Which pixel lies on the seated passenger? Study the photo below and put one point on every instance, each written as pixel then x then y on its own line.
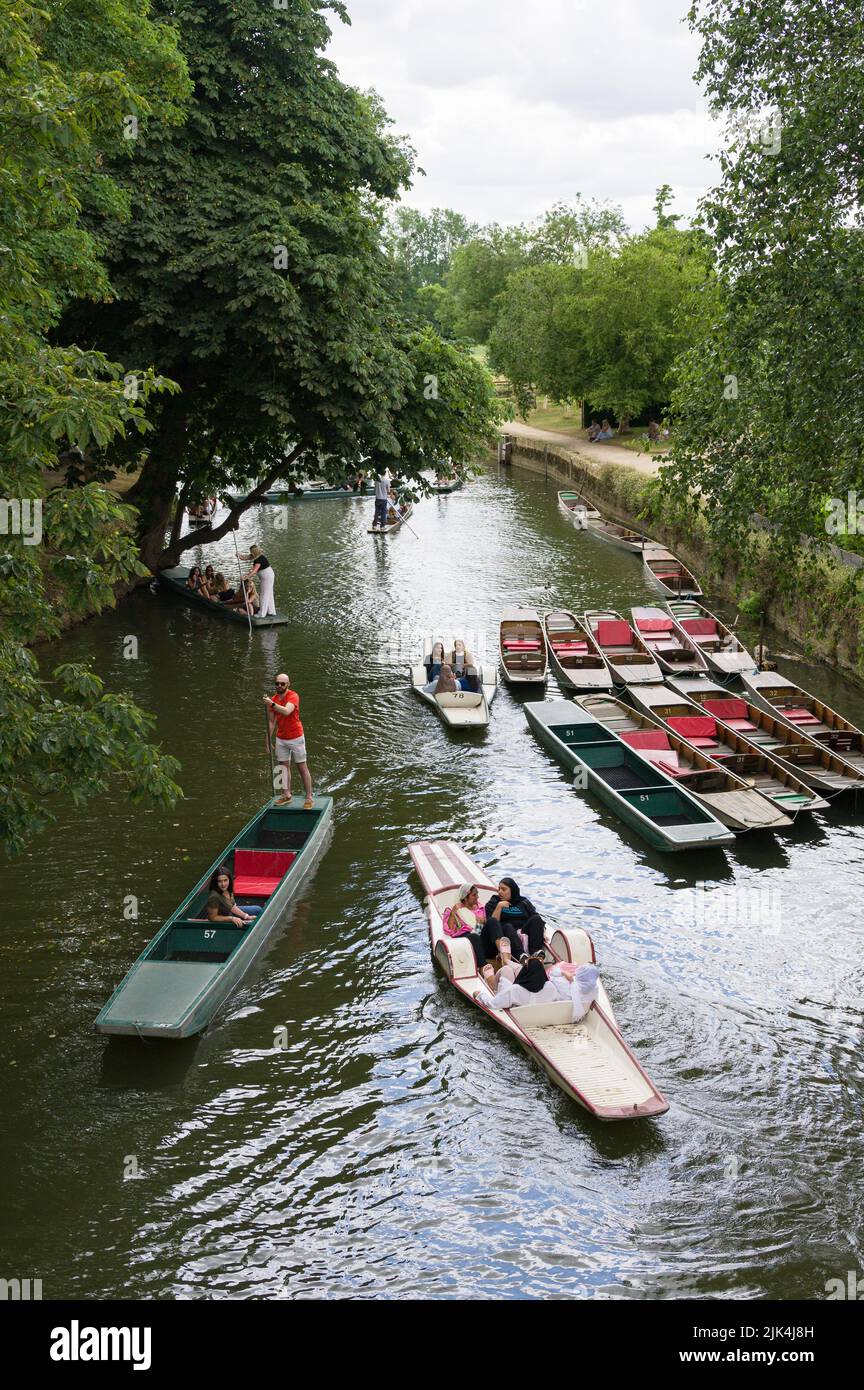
pixel 434 662
pixel 508 913
pixel 220 592
pixel 444 685
pixel 464 918
pixel 221 905
pixel 525 984
pixel 238 601
pixel 193 579
pixel 471 680
pixel 209 581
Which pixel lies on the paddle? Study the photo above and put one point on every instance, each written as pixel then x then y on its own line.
pixel 266 709
pixel 242 582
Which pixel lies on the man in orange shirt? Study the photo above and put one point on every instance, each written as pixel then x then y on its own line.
pixel 283 715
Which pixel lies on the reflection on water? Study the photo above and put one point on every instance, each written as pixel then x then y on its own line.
pixel 400 1145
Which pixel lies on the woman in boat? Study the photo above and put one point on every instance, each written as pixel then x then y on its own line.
pixel 529 984
pixel 220 592
pixel 465 918
pixel 264 570
pixel 507 914
pixel 194 580
pixel 209 582
pixel 464 667
pixel 221 904
pixel 237 600
pixel 434 662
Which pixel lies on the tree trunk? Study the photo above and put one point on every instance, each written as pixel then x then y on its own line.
pixel 155 492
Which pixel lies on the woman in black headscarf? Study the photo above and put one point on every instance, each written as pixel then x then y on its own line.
pixel 508 913
pixel 531 986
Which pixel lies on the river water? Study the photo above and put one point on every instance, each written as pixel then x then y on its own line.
pixel 400 1145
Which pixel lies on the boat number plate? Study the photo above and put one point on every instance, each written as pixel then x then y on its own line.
pixel 208 934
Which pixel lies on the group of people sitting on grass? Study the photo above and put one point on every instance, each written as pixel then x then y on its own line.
pixel 217 588
pixel 598 433
pixel 507 937
pixel 451 671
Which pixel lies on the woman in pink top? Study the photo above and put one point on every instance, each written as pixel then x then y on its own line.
pixel 465 918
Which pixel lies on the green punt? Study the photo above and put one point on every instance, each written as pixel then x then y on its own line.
pixel 307 493
pixel 175 581
pixel 192 965
pixel 644 797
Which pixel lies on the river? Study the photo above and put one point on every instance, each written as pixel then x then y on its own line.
pixel 400 1145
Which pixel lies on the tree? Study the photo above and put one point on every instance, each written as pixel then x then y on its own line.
pixel 569 234
pixel 252 271
pixel 538 338
pixel 422 245
pixel 478 274
pixel 63 550
pixel 769 410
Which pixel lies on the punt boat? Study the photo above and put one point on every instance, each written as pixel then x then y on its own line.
pixel 725 655
pixel 462 709
pixel 759 768
pixel 522 647
pixel 576 660
pixel 448 485
pixel 813 762
pixel 725 795
pixel 578 508
pixel 174 580
pixel 630 661
pixel 666 571
pixel 392 525
pixel 312 490
pixel 774 693
pixel 192 965
pixel 671 648
pixel 611 531
pixel 631 785
pixel 588 1060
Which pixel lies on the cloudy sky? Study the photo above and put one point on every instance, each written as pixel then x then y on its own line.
pixel 513 105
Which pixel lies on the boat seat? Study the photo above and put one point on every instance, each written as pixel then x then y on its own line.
pixel 800 716
pixel 258 872
pixel 614 633
pixel 697 729
pixel 566 647
pixel 700 627
pixel 671 769
pixel 520 644
pixel 654 624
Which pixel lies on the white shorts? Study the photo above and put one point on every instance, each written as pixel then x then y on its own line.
pixel 288 748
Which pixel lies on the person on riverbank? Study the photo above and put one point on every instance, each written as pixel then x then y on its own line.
pixel 283 715
pixel 605 432
pixel 222 905
pixel 508 913
pixel 465 918
pixel 262 568
pixel 382 497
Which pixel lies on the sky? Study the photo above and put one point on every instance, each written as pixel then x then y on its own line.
pixel 514 105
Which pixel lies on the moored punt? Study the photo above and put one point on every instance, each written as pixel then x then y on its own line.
pixel 632 786
pixel 175 581
pixel 578 508
pixel 723 744
pixel 391 526
pixel 460 709
pixel 588 1060
pixel 621 536
pixel 813 762
pixel 726 795
pixel 666 571
pixel 718 643
pixel 192 964
pixel 576 660
pixel 630 661
pixel 671 648
pixel 796 707
pixel 444 485
pixel 522 647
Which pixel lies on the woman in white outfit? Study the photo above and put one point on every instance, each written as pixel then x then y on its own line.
pixel 531 985
pixel 264 570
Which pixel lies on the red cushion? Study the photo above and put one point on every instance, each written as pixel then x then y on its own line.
pixel 654 624
pixel 646 738
pixel 693 726
pixel 614 634
pixel 569 646
pixel 511 644
pixel 801 716
pixel 259 871
pixel 726 709
pixel 700 627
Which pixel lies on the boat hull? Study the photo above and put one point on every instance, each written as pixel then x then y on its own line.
pixel 173 999
pixel 461 710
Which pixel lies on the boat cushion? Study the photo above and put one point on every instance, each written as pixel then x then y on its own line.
pixel 258 872
pixel 801 716
pixel 654 624
pixel 671 769
pixel 693 726
pixel 727 709
pixel 525 644
pixel 700 627
pixel 646 738
pixel 741 725
pixel 569 647
pixel 614 633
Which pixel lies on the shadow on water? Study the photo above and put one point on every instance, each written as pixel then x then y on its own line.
pixel 147 1064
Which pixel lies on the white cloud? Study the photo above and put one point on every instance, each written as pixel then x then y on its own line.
pixel 512 107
